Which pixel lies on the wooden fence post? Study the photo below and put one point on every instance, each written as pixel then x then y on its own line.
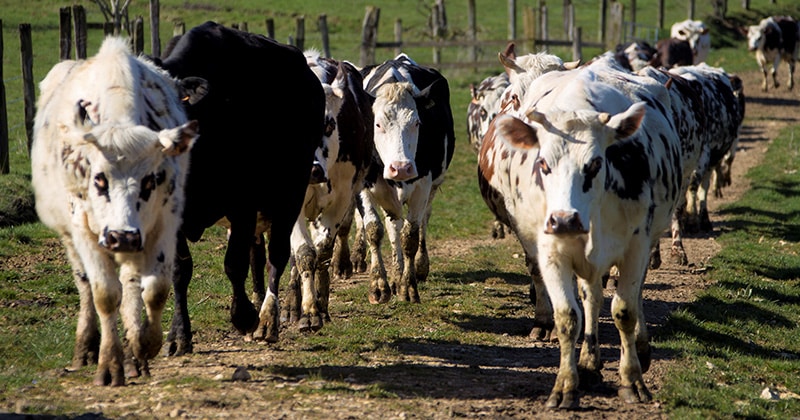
pixel 660 16
pixel 632 26
pixel 65 33
pixel 322 24
pixel 543 23
pixel 300 39
pixel 28 85
pixel 4 150
pixel 178 28
pixel 138 35
pixel 369 35
pixel 615 25
pixel 529 20
pixel 569 17
pixel 691 9
pixel 577 48
pixel 271 28
pixel 398 36
pixel 601 36
pixel 512 19
pixel 79 16
pixel 243 27
pixel 435 31
pixel 155 24
pixel 472 30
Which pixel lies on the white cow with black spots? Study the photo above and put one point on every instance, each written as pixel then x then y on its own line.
pixel 108 169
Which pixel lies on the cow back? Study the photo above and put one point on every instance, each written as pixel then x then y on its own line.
pixel 260 122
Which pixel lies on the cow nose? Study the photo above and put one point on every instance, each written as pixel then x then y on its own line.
pixel 317 174
pixel 123 240
pixel 563 222
pixel 401 171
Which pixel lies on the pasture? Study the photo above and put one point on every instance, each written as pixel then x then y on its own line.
pixel 724 329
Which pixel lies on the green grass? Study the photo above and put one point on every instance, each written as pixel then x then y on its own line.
pixel 739 337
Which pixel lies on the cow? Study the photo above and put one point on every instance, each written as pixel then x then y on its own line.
pixel 672 52
pixel 774 39
pixel 336 178
pixel 592 175
pixel 261 119
pixel 723 104
pixel 722 173
pixel 483 106
pixel 414 144
pixel 697 34
pixel 634 55
pixel 109 161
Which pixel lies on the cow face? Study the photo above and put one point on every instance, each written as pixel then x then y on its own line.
pixel 325 154
pixel 756 34
pixel 397 125
pixel 571 165
pixel 484 106
pixel 124 175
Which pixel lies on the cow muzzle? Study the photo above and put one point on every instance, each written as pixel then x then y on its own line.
pixel 122 240
pixel 400 171
pixel 564 222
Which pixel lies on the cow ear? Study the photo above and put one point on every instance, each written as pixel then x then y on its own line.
pixel 193 89
pixel 515 131
pixel 626 123
pixel 437 89
pixel 180 139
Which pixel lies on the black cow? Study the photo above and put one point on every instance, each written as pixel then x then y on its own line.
pixel 260 121
pixel 672 52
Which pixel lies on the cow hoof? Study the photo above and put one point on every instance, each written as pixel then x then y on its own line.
pixel 177 348
pixel 565 401
pixel 304 324
pixel 540 333
pixel 635 394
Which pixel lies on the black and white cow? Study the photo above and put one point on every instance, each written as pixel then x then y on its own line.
pixel 592 178
pixel 109 163
pixel 723 106
pixel 337 177
pixel 414 144
pixel 697 34
pixel 672 52
pixel 634 55
pixel 774 39
pixel 261 120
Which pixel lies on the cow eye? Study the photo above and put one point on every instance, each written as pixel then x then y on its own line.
pixel 101 183
pixel 592 168
pixel 542 165
pixel 483 114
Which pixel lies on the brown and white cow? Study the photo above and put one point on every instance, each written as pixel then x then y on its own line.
pixel 108 170
pixel 414 143
pixel 774 39
pixel 591 179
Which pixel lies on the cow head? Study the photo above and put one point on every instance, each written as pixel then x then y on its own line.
pixel 571 164
pixel 484 105
pixel 757 34
pixel 123 174
pixel 325 154
pixel 397 109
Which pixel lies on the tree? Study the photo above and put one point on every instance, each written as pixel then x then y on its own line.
pixel 116 14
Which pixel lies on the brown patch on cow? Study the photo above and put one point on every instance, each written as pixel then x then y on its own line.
pixel 518 133
pixel 486 145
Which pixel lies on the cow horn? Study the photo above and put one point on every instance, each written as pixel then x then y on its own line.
pixel 604 117
pixel 572 65
pixel 538 117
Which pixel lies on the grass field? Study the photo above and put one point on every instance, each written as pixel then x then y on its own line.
pixel 755 299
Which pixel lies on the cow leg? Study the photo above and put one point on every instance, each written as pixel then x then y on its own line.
pixel 702 199
pixel 626 310
pixel 677 252
pixel 774 71
pixel 341 264
pixel 290 311
pixel 543 323
pixel 130 311
pixel 358 254
pixel 498 229
pixel 379 289
pixel 237 263
pixel 322 277
pixel 87 336
pixel 303 289
pixel 589 363
pixel 279 252
pixel 791 62
pixel 568 318
pixel 107 296
pixel 258 262
pixel 179 339
pixel 409 244
pixel 422 262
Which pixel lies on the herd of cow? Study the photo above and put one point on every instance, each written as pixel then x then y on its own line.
pixel 587 164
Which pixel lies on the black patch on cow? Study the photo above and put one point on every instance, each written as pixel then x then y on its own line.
pixel 160 258
pixel 630 159
pixel 148 185
pixel 101 184
pixel 161 176
pixel 590 171
pixel 330 125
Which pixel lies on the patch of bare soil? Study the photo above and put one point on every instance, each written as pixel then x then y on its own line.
pixel 508 380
